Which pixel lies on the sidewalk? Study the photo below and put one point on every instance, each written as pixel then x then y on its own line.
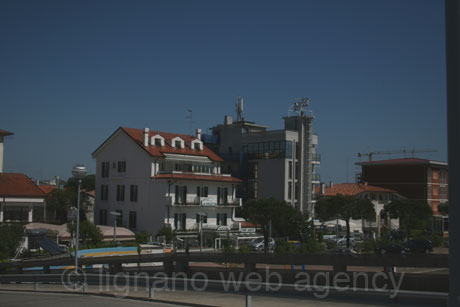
pixel 221 299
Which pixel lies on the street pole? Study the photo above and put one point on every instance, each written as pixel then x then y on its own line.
pixel 78 228
pixel 115 231
pixel 201 233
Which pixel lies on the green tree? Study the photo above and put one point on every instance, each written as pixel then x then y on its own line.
pixel 58 202
pixel 11 236
pixel 444 208
pixel 344 208
pixel 412 214
pixel 88 183
pixel 90 234
pixel 167 232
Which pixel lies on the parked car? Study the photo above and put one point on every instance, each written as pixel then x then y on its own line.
pixel 391 248
pixel 258 244
pixel 343 241
pixel 418 246
pixel 342 250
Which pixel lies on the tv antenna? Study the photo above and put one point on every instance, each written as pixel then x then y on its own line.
pixel 190 121
pixel 300 106
pixel 239 109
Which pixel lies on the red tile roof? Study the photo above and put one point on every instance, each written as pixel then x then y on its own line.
pixel 5 133
pixel 157 151
pixel 18 185
pixel 352 189
pixel 197 177
pixel 400 161
pixel 47 188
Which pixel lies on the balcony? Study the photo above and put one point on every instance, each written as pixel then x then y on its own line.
pixel 316 178
pixel 316 159
pixel 204 202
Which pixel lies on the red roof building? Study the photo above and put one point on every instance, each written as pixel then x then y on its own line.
pixel 153 178
pixel 21 200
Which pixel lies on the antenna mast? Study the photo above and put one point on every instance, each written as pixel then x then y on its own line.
pixel 239 109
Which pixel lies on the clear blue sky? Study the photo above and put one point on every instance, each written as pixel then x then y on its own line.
pixel 73 71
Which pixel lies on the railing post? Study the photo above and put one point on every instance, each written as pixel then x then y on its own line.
pixel 248 300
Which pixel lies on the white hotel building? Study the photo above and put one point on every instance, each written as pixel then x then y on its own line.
pixel 155 178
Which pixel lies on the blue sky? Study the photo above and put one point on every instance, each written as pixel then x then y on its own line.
pixel 73 71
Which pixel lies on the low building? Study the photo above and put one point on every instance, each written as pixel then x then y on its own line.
pixel 377 195
pixel 21 200
pixel 148 179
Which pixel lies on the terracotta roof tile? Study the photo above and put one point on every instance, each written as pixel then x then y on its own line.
pixel 400 161
pixel 47 188
pixel 352 189
pixel 5 133
pixel 158 151
pixel 18 185
pixel 197 177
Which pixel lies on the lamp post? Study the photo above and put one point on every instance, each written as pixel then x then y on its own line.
pixel 79 172
pixel 115 214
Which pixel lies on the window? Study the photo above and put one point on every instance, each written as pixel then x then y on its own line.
pixel 443 193
pixel 202 191
pixel 120 192
pixel 289 190
pixel 222 196
pixel 133 192
pixel 204 217
pixel 121 166
pixel 290 169
pixel 119 218
pixel 197 146
pixel 178 144
pixel 252 189
pixel 158 142
pixel 180 221
pixel 105 169
pixel 253 170
pixel 181 194
pixel 104 191
pixel 132 219
pixel 222 219
pixel 102 217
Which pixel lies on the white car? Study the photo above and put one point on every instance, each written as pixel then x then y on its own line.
pixel 343 241
pixel 258 244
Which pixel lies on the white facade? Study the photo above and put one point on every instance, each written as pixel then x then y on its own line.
pixel 152 178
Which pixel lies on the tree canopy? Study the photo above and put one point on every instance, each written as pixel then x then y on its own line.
pixel 412 214
pixel 344 208
pixel 285 220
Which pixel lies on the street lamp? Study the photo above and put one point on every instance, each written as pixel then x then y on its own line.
pixel 79 172
pixel 116 214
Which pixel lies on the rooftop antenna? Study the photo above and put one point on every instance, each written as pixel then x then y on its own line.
pixel 190 121
pixel 239 109
pixel 300 106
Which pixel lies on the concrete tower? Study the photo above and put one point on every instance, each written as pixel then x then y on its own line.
pixel 3 134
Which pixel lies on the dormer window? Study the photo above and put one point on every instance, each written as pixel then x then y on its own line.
pixel 197 145
pixel 177 142
pixel 158 140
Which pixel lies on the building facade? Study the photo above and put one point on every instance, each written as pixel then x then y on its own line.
pixel 272 163
pixel 379 198
pixel 413 178
pixel 153 179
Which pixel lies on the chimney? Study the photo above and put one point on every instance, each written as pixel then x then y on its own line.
pixel 228 120
pixel 198 134
pixel 323 188
pixel 146 136
pixel 331 184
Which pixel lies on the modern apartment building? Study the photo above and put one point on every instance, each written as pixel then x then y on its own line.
pixel 271 163
pixel 154 178
pixel 413 178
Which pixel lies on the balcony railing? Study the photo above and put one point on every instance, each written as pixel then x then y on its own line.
pixel 316 177
pixel 316 158
pixel 204 202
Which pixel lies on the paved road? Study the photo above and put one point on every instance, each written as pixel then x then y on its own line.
pixel 74 300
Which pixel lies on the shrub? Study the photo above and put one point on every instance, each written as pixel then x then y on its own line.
pixel 142 237
pixel 244 249
pixel 166 232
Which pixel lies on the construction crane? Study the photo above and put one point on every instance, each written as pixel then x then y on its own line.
pixel 390 152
